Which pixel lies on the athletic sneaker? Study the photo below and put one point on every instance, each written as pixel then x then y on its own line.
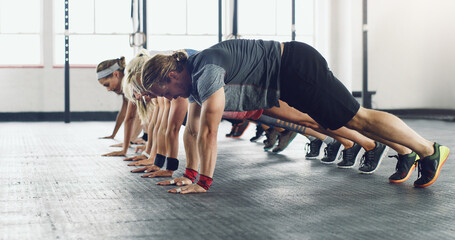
pixel 332 152
pixel 284 139
pixel 313 149
pixel 239 129
pixel 405 165
pixel 259 133
pixel 430 167
pixel 350 156
pixel 373 158
pixel 272 137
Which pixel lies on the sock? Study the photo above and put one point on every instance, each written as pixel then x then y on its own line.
pixel 328 140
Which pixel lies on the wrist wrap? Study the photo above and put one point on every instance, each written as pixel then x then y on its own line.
pixel 190 174
pixel 159 160
pixel 204 181
pixel 172 164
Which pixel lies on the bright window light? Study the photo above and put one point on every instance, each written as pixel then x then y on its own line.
pixel 20 41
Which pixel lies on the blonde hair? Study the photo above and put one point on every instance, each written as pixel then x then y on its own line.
pixel 131 83
pixel 108 63
pixel 156 69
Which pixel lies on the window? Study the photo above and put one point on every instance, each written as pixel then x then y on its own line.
pixel 274 20
pixel 181 24
pixel 20 32
pixel 99 30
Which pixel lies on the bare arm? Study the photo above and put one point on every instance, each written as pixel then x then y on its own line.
pixel 120 117
pixel 189 141
pixel 206 144
pixel 177 114
pixel 129 125
pixel 190 136
pixel 212 111
pixel 128 128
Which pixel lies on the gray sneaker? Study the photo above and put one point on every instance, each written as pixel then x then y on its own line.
pixel 272 137
pixel 313 149
pixel 284 139
pixel 373 158
pixel 332 152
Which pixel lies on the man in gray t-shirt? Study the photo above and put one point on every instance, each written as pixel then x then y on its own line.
pixel 247 69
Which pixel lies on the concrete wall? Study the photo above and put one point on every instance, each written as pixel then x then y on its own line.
pixel 411 49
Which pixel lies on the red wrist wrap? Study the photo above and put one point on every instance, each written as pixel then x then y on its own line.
pixel 190 174
pixel 204 181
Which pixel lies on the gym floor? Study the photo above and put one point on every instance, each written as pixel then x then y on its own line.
pixel 55 185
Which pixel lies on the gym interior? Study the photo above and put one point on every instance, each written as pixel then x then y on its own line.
pixel 394 56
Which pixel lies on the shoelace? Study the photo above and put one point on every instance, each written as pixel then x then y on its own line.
pixel 367 158
pixel 330 149
pixel 313 147
pixel 348 153
pixel 401 164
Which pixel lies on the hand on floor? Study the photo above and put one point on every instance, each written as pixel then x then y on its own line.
pixel 146 169
pixel 180 181
pixel 115 153
pixel 160 173
pixel 194 188
pixel 136 158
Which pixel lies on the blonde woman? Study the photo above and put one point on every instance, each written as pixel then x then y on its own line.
pixel 110 74
pixel 168 117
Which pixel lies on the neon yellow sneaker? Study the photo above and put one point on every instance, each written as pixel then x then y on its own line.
pixel 430 167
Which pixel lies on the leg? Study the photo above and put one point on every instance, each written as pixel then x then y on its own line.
pixel 389 127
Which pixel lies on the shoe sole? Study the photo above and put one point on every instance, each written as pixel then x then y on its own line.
pixel 340 149
pixel 286 145
pixel 405 178
pixel 446 151
pixel 386 149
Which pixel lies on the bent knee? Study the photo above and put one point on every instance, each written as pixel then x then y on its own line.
pixel 361 120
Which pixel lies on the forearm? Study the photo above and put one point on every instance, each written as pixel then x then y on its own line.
pixel 137 129
pixel 128 129
pixel 172 141
pixel 207 148
pixel 120 118
pixel 148 146
pixel 191 150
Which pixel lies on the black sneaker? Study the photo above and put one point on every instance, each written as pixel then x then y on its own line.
pixel 332 152
pixel 350 156
pixel 373 158
pixel 430 167
pixel 313 149
pixel 405 165
pixel 234 126
pixel 272 137
pixel 259 133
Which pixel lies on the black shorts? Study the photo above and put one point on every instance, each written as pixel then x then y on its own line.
pixel 307 84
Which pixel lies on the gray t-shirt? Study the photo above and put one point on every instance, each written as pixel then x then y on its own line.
pixel 247 69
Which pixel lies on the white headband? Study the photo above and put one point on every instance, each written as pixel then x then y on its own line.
pixel 108 71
